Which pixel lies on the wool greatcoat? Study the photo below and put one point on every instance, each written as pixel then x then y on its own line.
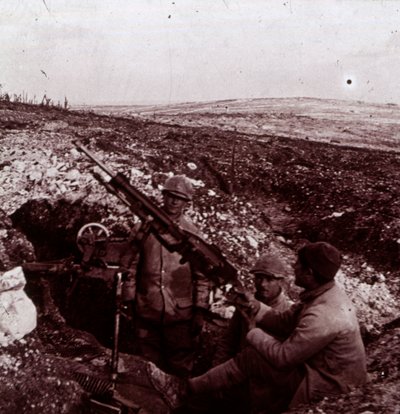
pixel 322 337
pixel 166 290
pixel 167 295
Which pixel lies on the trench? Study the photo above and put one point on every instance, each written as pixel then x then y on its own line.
pixel 83 294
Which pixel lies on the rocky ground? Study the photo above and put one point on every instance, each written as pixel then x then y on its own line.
pixel 268 190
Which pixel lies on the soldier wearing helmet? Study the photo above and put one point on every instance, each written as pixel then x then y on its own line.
pixel 180 186
pixel 270 278
pixel 169 296
pixel 177 192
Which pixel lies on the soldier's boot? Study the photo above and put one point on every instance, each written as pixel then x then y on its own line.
pixel 219 378
pixel 174 390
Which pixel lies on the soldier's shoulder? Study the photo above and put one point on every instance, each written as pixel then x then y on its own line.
pixel 187 224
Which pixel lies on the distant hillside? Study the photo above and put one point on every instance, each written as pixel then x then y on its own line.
pixel 347 123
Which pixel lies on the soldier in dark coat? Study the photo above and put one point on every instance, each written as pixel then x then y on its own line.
pixel 169 296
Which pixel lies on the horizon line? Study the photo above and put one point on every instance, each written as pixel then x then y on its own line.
pixel 178 103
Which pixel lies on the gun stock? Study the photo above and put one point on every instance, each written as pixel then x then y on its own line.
pixel 207 257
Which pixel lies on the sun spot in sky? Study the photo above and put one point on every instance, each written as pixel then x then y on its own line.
pixel 349 82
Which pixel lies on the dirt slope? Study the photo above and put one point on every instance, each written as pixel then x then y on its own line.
pixel 322 120
pixel 254 191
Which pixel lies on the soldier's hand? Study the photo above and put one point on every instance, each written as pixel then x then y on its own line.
pixel 246 302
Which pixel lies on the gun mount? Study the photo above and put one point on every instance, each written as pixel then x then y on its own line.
pixel 205 256
pixel 80 288
pixel 98 251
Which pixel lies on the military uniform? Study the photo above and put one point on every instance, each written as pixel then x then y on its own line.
pixel 235 337
pixel 320 351
pixel 168 294
pixel 325 343
pixel 254 393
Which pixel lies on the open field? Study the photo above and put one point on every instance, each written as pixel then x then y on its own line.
pixel 340 122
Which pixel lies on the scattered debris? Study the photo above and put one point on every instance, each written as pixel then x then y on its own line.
pixel 285 191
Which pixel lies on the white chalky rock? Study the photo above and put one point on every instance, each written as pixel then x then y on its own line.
pixel 19 165
pixel 17 311
pixel 51 172
pixel 75 154
pixel 136 172
pixel 35 175
pixel 73 175
pixel 252 241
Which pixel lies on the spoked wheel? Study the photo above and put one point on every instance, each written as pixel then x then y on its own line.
pixel 92 234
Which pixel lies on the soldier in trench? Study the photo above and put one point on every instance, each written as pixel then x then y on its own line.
pixel 310 351
pixel 170 298
pixel 271 281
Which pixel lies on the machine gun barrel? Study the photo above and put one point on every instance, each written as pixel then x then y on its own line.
pixel 120 186
pixel 191 247
pixel 86 151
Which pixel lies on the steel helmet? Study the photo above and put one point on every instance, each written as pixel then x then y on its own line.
pixel 180 186
pixel 269 264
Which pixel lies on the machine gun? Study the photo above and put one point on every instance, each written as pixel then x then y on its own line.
pixel 193 249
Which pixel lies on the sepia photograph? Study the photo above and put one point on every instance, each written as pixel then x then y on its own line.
pixel 200 206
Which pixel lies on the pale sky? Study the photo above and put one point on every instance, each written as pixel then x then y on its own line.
pixel 158 51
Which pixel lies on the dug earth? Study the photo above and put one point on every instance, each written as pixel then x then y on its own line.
pixel 254 193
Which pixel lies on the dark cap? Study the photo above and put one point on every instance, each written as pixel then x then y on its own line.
pixel 322 258
pixel 270 265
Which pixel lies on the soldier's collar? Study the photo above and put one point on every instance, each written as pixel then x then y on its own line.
pixel 308 295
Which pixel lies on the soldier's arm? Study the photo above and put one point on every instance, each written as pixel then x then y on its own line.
pixel 202 288
pixel 130 262
pixel 229 343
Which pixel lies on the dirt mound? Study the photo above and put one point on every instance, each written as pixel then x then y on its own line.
pixel 14 246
